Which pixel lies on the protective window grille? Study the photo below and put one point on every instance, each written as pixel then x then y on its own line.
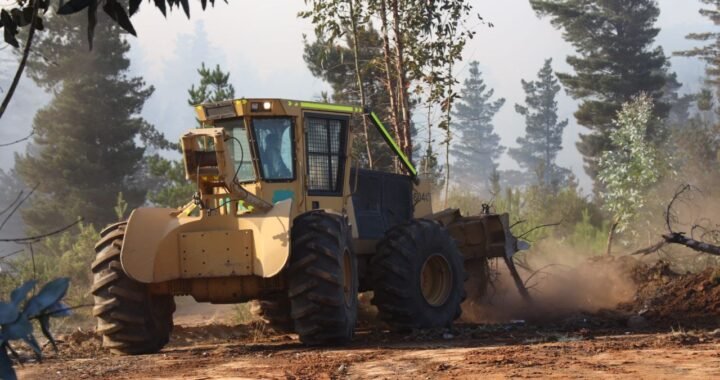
pixel 325 154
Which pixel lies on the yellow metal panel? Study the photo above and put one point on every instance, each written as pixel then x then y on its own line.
pixel 200 111
pixel 215 253
pixel 151 249
pixel 422 199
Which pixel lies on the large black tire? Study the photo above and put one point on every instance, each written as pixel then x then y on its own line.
pixel 418 275
pixel 129 318
pixel 322 279
pixel 274 313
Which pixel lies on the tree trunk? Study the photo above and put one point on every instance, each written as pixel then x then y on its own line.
pixel 426 164
pixel 403 100
pixel 448 137
pixel 388 72
pixel 611 237
pixel 361 84
pixel 679 238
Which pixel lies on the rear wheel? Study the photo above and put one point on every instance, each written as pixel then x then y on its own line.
pixel 323 281
pixel 129 318
pixel 418 276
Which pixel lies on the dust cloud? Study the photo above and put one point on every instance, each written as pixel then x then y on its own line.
pixel 558 289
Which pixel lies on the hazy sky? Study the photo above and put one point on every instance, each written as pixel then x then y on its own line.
pixel 260 43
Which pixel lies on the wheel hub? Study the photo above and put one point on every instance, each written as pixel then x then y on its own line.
pixel 436 280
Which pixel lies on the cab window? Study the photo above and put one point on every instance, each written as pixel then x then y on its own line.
pixel 239 149
pixel 274 142
pixel 325 145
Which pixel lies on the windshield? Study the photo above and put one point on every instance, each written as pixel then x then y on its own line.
pixel 239 149
pixel 274 141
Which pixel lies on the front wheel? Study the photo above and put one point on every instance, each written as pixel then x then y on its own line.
pixel 323 279
pixel 129 318
pixel 418 276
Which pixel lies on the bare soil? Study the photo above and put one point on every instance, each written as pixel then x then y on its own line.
pixel 497 351
pixel 667 329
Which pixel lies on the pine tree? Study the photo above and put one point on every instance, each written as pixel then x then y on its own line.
pixel 709 53
pixel 84 150
pixel 543 132
pixel 478 148
pixel 214 86
pixel 615 61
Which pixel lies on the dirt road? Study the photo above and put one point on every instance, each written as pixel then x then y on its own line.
pixel 667 328
pixel 471 351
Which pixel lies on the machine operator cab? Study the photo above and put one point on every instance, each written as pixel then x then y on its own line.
pixel 269 135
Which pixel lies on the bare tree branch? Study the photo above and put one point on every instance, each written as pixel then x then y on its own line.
pixel 539 227
pixel 23 61
pixel 11 254
pixel 20 193
pixel 35 238
pixel 19 140
pixel 673 237
pixel 17 206
pixel 651 249
pixel 680 238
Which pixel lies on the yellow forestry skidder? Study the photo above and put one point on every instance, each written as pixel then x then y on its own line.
pixel 282 217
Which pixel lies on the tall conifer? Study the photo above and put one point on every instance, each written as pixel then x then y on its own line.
pixel 477 149
pixel 84 151
pixel 615 61
pixel 543 131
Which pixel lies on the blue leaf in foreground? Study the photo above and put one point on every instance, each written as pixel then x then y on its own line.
pixel 30 340
pixel 8 313
pixel 44 320
pixel 58 309
pixel 19 329
pixel 49 295
pixel 6 370
pixel 20 293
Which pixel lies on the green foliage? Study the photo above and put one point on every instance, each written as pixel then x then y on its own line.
pixel 120 207
pixel 710 53
pixel 431 170
pixel 478 149
pixel 539 147
pixel 333 62
pixel 84 149
pixel 169 188
pixel 577 225
pixel 632 166
pixel 214 86
pixel 16 317
pixel 615 61
pixel 587 236
pixel 68 254
pixel 20 14
pixel 427 39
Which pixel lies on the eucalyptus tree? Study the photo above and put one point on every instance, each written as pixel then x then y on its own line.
pixel 631 167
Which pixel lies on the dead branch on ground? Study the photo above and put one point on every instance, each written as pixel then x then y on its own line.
pixel 674 237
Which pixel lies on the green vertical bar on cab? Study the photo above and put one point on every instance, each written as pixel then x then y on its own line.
pixel 386 135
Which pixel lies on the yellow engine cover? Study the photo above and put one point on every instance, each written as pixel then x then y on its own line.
pixel 161 245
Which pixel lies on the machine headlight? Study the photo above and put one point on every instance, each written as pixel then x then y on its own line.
pixel 265 106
